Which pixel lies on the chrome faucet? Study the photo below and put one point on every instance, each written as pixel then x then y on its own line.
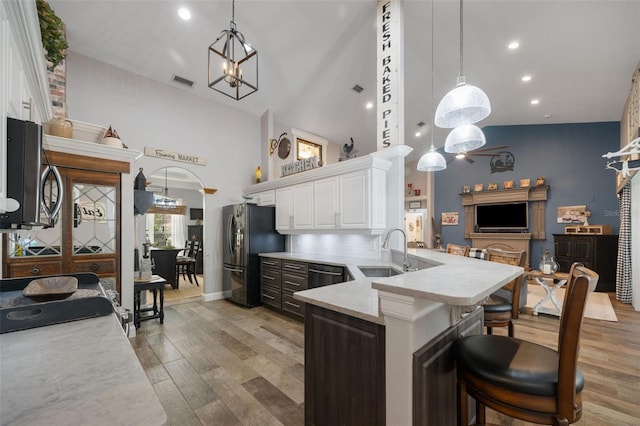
pixel 406 266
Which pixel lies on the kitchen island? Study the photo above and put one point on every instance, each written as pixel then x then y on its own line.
pixel 76 373
pixel 406 314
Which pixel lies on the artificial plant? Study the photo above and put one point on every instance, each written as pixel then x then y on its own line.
pixel 52 33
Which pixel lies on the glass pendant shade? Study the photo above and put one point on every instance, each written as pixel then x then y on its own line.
pixel 464 139
pixel 233 65
pixel 465 104
pixel 432 161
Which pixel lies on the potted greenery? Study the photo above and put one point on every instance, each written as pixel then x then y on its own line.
pixel 52 33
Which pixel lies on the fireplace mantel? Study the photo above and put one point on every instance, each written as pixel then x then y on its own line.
pixel 536 196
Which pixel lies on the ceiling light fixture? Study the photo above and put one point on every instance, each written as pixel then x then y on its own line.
pixel 184 13
pixel 514 45
pixel 465 104
pixel 464 138
pixel 233 63
pixel 432 161
pixel 535 101
pixel 526 78
pixel 163 204
pixel 418 134
pixel 369 105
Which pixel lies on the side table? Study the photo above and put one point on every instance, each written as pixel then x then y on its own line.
pixel 156 284
pixel 550 283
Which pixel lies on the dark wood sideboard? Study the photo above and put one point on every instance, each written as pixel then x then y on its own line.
pixel 597 252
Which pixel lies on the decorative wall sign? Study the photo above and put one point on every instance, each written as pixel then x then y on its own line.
pixel 415 204
pixel 492 186
pixel 502 161
pixel 478 187
pixel 450 218
pixel 508 184
pixel 300 166
pixel 175 156
pixel 390 71
pixel 525 183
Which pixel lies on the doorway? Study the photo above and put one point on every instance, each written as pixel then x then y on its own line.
pixel 178 228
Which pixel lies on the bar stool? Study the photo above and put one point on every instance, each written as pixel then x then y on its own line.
pixel 499 310
pixel 525 380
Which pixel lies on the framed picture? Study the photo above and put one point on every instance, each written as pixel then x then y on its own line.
pixel 415 204
pixel 195 214
pixel 572 214
pixel 466 189
pixel 492 186
pixel 306 149
pixel 508 184
pixel 478 187
pixel 525 183
pixel 450 218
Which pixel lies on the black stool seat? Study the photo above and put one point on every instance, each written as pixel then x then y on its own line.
pixel 512 364
pixel 497 304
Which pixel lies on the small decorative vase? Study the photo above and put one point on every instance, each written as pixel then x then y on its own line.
pixel 58 126
pixel 548 265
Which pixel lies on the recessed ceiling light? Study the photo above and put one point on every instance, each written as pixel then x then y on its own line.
pixel 535 101
pixel 514 45
pixel 548 116
pixel 418 134
pixel 369 105
pixel 184 13
pixel 526 78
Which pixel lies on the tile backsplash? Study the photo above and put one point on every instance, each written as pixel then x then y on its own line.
pixel 364 246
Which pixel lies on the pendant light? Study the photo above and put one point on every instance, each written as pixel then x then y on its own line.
pixel 465 104
pixel 233 63
pixel 432 161
pixel 464 138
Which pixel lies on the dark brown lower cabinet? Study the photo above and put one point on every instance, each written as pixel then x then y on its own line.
pixel 597 252
pixel 434 375
pixel 344 375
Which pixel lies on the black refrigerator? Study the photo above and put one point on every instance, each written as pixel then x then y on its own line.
pixel 248 229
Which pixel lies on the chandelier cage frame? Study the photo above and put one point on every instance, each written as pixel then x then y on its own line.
pixel 227 74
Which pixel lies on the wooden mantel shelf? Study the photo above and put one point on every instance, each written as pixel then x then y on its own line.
pixel 535 195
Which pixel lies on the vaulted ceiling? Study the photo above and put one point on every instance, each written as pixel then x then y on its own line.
pixel 580 54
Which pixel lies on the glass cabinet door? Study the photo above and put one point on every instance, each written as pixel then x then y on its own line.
pixel 94 218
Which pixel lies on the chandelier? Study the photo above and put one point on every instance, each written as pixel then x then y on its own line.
pixel 233 63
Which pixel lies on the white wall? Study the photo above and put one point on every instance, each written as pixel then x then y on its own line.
pixel 147 113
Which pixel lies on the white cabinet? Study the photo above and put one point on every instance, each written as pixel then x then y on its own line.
pixel 353 201
pixel 346 197
pixel 266 198
pixel 294 207
pixel 325 201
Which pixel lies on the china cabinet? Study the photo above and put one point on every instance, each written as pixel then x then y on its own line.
pixel 86 235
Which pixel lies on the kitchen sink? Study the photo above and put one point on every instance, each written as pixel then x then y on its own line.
pixel 379 271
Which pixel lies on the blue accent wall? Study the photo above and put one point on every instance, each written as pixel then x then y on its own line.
pixel 569 156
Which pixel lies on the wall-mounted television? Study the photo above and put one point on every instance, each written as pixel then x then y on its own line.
pixel 503 217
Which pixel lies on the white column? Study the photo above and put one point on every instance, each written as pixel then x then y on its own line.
pixel 409 324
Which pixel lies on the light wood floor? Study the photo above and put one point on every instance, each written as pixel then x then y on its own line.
pixel 214 363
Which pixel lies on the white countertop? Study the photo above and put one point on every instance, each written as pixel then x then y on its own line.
pixel 76 373
pixel 450 279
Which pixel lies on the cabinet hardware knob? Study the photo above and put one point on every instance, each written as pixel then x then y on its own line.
pixel 35 270
pixel 94 266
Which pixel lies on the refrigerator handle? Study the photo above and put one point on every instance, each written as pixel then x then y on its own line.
pixel 232 269
pixel 229 232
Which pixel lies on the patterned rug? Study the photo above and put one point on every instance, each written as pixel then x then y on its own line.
pixel 598 304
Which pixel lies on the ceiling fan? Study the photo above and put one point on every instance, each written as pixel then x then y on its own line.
pixel 481 152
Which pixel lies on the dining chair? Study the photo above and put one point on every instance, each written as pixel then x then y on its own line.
pixel 457 249
pixel 503 307
pixel 186 263
pixel 525 380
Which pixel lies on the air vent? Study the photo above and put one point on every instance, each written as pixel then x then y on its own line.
pixel 182 80
pixel 357 88
pixel 420 124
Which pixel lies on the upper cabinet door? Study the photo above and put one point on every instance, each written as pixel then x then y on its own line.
pixel 355 200
pixel 303 206
pixel 325 198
